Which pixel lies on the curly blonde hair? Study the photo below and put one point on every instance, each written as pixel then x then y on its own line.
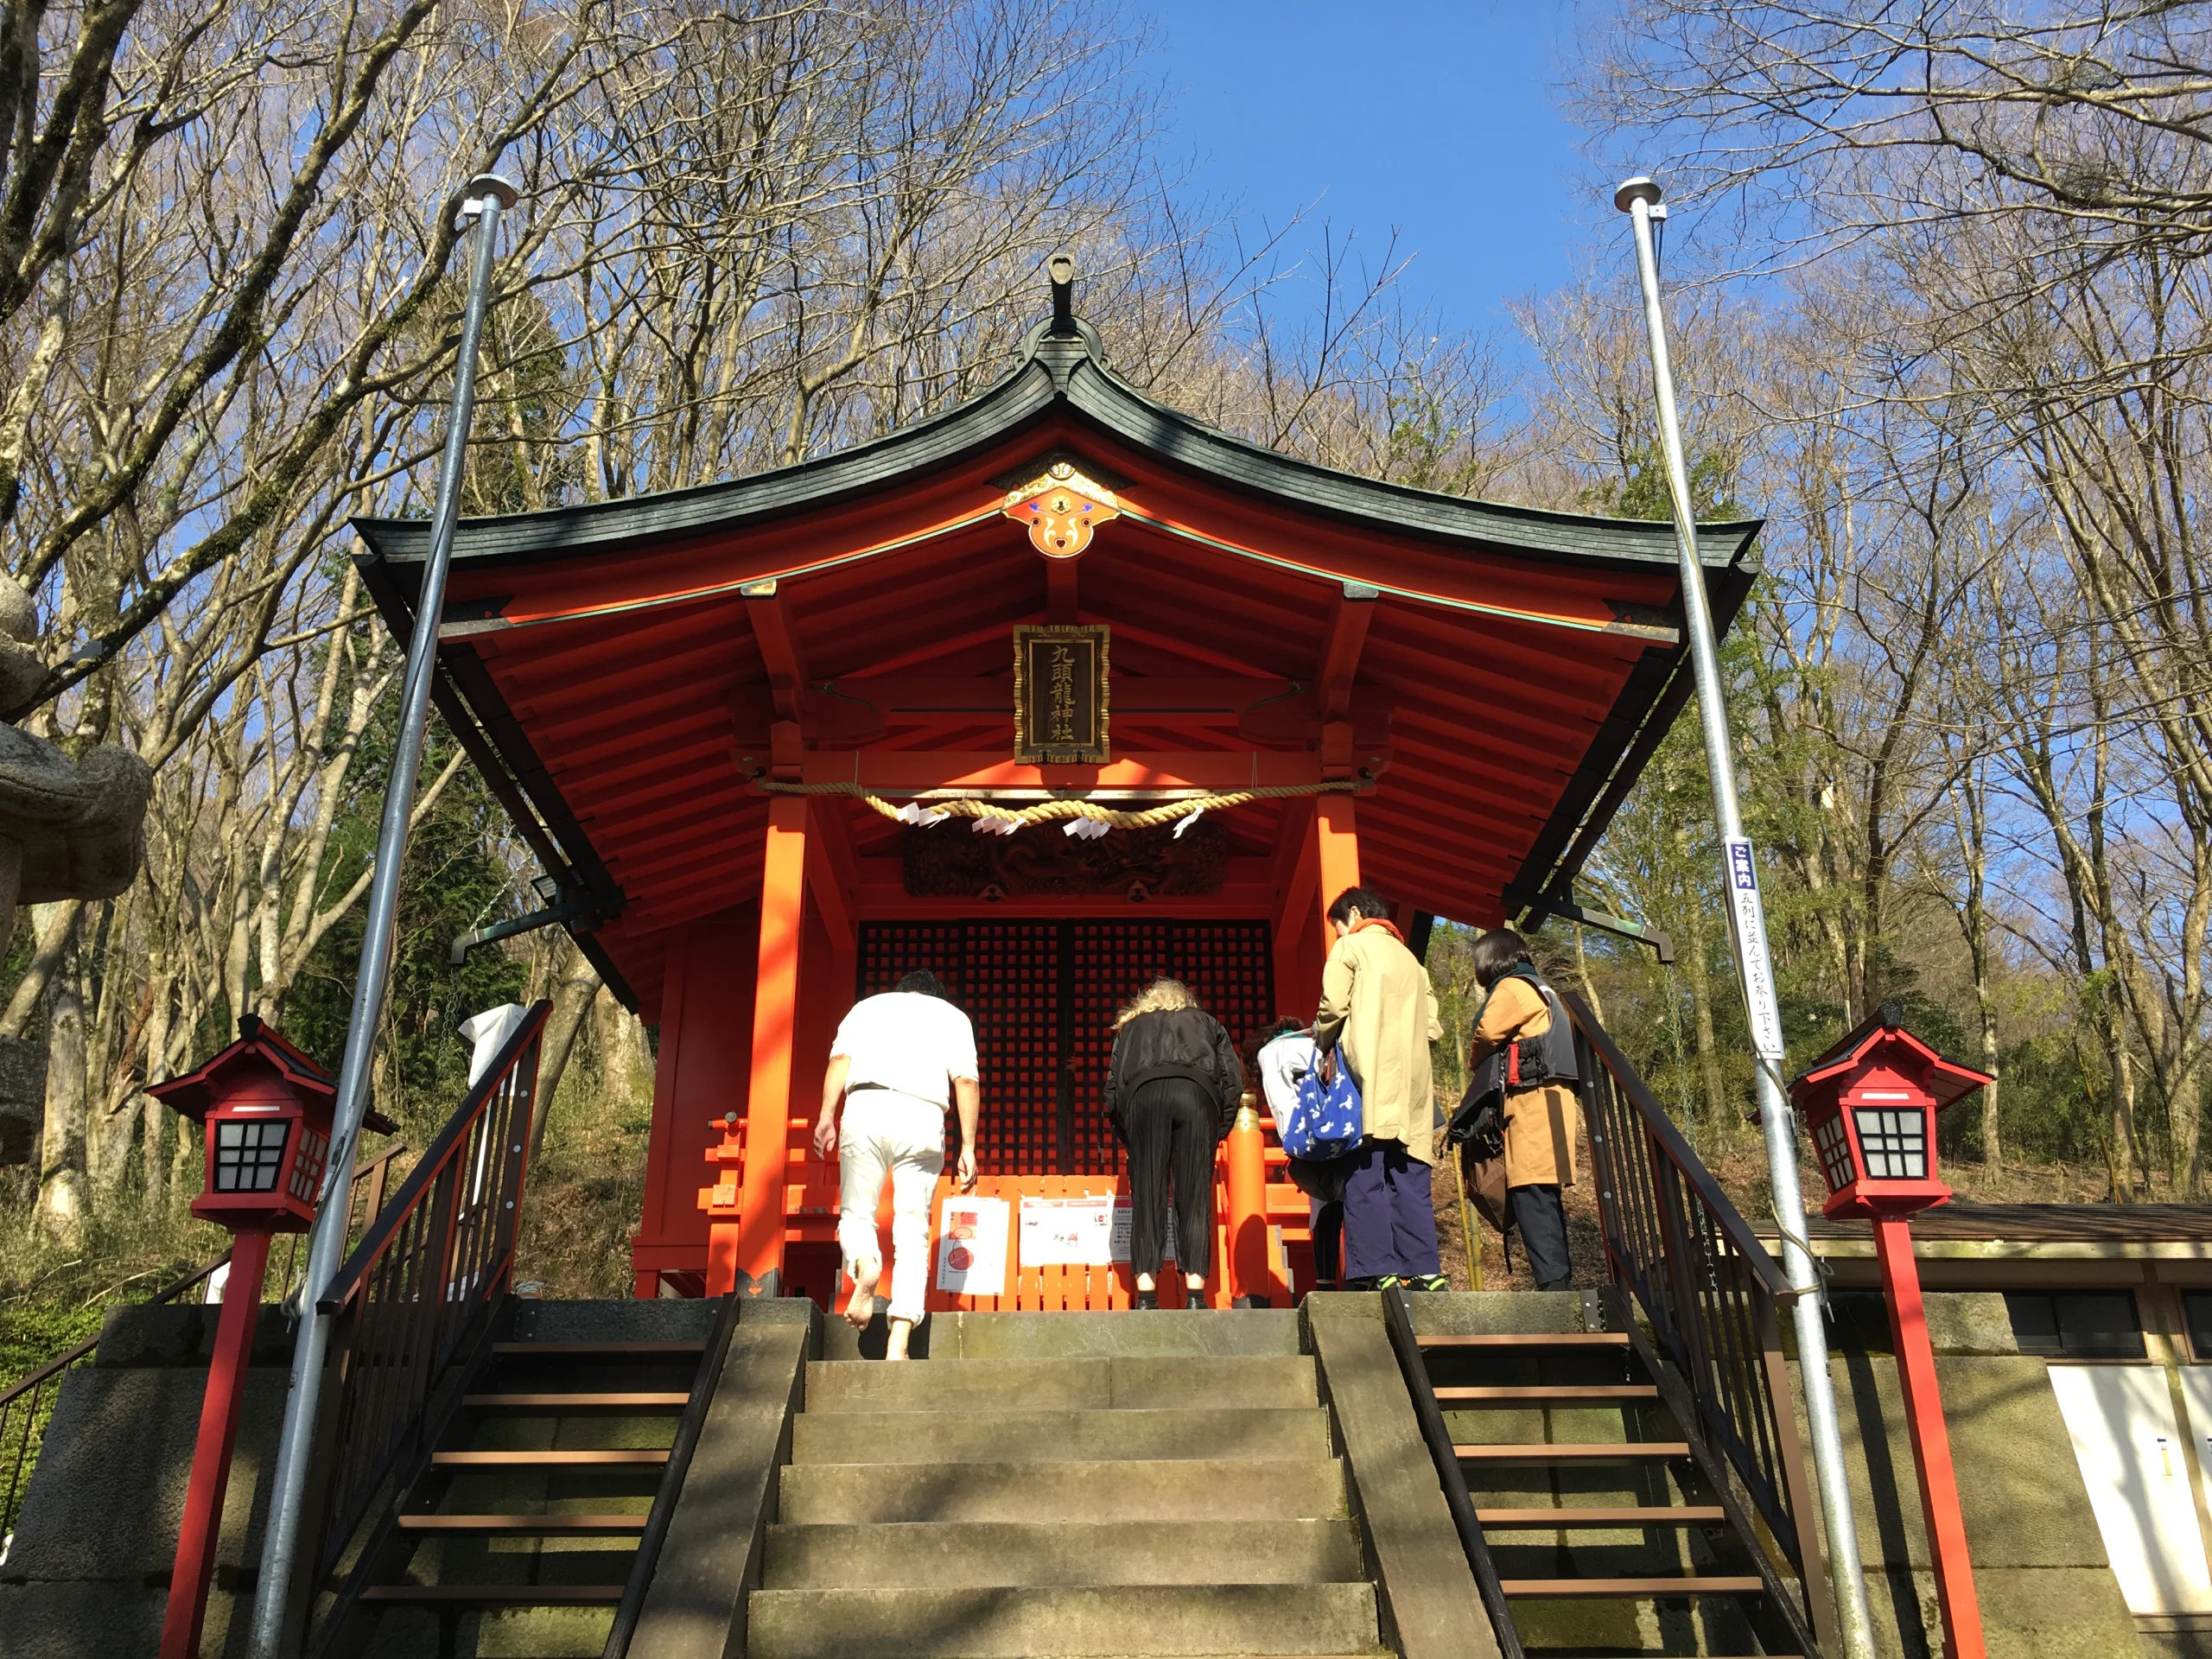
pixel 1158 997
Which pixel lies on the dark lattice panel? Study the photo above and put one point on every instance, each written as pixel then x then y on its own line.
pixel 1043 992
pixel 1013 995
pixel 1228 965
pixel 890 950
pixel 1113 962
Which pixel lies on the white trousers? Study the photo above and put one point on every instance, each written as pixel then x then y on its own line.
pixel 886 1133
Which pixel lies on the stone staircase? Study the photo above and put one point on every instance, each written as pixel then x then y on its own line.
pixel 518 1539
pixel 1606 1537
pixel 1164 1494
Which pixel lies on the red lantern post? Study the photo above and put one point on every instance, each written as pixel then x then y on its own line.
pixel 266 1108
pixel 1870 1104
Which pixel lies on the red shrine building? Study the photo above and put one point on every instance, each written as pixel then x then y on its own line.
pixel 757 733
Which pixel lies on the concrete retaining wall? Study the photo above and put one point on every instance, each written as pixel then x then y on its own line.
pixel 87 1574
pixel 2040 1570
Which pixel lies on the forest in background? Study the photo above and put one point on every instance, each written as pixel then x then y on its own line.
pixel 1939 295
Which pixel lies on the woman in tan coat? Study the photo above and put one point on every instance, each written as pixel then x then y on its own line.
pixel 1543 1124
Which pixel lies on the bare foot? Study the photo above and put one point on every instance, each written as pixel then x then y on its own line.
pixel 895 1348
pixel 861 1308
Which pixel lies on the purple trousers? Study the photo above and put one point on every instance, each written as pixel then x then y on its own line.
pixel 1389 1225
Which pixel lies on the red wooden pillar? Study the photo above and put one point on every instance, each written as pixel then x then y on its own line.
pixel 1338 846
pixel 775 1016
pixel 211 1455
pixel 1297 872
pixel 1931 1439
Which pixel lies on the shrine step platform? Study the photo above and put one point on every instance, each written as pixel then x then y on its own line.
pixel 1131 1484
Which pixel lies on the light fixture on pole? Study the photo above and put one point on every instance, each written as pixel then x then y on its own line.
pixel 481 199
pixel 1642 200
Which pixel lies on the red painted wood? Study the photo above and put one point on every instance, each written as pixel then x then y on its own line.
pixel 1245 1159
pixel 1338 843
pixel 211 1455
pixel 770 1100
pixel 1931 1439
pixel 701 1072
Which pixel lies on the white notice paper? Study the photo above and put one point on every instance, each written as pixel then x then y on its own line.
pixel 1068 1232
pixel 971 1247
pixel 1120 1249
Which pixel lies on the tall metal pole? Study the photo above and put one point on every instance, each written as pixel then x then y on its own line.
pixel 484 198
pixel 1747 923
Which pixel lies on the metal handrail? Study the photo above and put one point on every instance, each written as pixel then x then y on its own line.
pixel 354 1272
pixel 1397 1317
pixel 1679 1152
pixel 1710 1293
pixel 417 1295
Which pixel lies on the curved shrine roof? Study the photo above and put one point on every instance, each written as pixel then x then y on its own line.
pixel 606 665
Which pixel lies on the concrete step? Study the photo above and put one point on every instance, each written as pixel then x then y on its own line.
pixel 938 1438
pixel 512 1560
pixel 410 1631
pixel 975 1555
pixel 1232 1489
pixel 1122 1382
pixel 1012 1623
pixel 1083 1336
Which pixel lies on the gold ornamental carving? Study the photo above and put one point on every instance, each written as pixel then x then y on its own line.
pixel 1061 507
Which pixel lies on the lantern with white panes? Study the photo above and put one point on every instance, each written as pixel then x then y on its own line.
pixel 267 1110
pixel 1870 1105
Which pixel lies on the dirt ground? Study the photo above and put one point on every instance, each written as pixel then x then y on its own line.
pixel 1584 1243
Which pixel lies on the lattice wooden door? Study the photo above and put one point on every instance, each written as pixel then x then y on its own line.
pixel 1043 996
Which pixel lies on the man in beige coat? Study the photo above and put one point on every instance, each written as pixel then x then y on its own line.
pixel 1378 1014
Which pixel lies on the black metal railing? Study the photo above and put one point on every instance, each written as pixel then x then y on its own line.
pixel 26 1405
pixel 1711 1294
pixel 1397 1315
pixel 416 1297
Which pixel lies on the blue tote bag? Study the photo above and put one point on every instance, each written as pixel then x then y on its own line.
pixel 1326 1120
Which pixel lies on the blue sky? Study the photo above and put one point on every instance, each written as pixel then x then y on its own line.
pixel 1436 118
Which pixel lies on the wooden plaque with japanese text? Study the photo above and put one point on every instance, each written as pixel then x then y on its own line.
pixel 1060 695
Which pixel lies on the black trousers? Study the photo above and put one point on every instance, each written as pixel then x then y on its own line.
pixel 1541 1219
pixel 1172 1123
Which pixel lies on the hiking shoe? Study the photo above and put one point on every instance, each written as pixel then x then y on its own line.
pixel 1429 1281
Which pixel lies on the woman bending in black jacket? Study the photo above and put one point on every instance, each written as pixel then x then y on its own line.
pixel 1171 1090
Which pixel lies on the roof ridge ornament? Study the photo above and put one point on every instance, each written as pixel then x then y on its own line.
pixel 1063 339
pixel 1061 507
pixel 1061 270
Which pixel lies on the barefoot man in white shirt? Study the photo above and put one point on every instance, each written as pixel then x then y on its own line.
pixel 901 1061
